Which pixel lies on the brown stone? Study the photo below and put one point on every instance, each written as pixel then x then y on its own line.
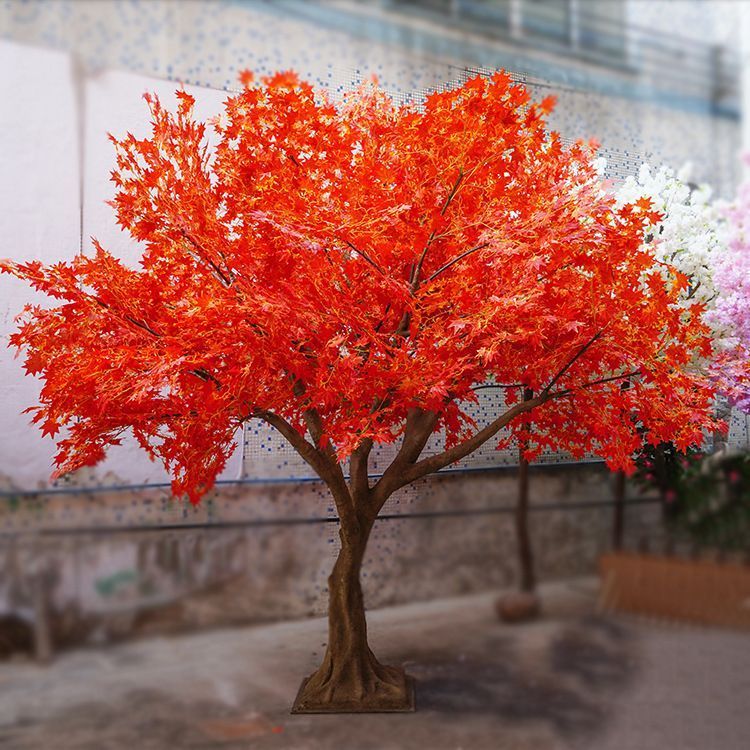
pixel 518 606
pixel 16 636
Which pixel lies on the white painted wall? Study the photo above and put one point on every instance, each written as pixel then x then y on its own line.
pixel 39 218
pixel 114 104
pixel 54 125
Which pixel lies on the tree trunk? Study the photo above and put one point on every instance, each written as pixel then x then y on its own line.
pixel 522 605
pixel 618 530
pixel 525 552
pixel 351 679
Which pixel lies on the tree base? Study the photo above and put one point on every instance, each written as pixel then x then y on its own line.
pixel 518 606
pixel 371 703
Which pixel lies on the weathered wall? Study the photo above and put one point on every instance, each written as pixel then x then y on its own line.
pixel 268 552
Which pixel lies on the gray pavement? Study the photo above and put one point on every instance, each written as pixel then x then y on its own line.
pixel 572 679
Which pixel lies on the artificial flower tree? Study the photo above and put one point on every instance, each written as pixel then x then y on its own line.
pixel 688 234
pixel 731 312
pixel 349 273
pixel 687 230
pixel 707 240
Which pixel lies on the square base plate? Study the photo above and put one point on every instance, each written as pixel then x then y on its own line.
pixel 409 707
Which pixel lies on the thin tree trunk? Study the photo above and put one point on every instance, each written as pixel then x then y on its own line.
pixel 525 552
pixel 618 531
pixel 350 677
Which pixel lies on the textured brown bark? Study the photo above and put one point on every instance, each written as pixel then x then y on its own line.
pixel 350 677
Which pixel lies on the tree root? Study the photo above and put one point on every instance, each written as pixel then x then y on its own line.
pixel 355 684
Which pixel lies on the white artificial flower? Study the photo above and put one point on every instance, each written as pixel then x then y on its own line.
pixel 691 232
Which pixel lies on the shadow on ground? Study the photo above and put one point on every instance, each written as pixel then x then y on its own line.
pixel 564 683
pixel 545 686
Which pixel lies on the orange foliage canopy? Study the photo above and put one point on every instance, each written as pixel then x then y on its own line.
pixel 334 267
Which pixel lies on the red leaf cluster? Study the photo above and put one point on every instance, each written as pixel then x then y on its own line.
pixel 330 267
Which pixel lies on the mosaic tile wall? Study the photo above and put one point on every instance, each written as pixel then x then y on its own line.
pixel 442 537
pixel 267 456
pixel 208 43
pixel 739 431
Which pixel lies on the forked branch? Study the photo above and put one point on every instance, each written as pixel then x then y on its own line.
pixel 399 474
pixel 457 452
pixel 225 279
pixel 329 470
pixel 455 260
pixel 417 269
pixel 571 362
pixel 365 257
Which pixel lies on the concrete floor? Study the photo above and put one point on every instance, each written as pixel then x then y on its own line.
pixel 570 680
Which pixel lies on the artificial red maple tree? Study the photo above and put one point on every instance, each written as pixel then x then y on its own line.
pixel 348 273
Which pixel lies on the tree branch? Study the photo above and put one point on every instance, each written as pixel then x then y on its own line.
pixel 453 192
pixel 455 260
pixel 382 320
pixel 570 363
pixel 457 452
pixel 365 256
pixel 204 374
pixel 225 281
pixel 497 385
pixel 693 290
pixel 545 276
pixel 405 468
pixel 140 324
pixel 403 325
pixel 309 453
pixel 359 483
pixel 314 423
pixel 329 471
pixel 600 381
pixel 419 426
pixel 417 269
pixel 145 326
pixel 334 473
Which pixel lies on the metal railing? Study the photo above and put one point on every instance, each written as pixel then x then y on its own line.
pixel 251 523
pixel 575 30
